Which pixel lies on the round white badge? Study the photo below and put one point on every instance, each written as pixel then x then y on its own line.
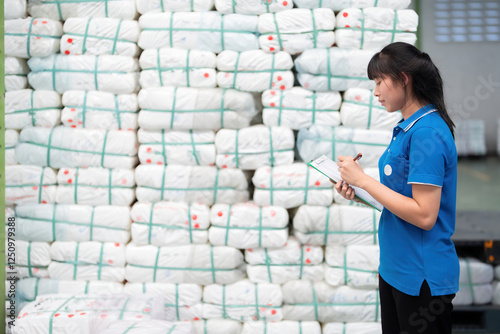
pixel 387 170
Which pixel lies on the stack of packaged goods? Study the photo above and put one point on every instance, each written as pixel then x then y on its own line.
pixel 476 283
pixel 470 137
pixel 496 286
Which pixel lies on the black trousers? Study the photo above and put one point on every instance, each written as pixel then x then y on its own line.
pixel 423 314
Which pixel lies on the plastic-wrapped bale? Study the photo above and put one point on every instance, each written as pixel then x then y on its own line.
pixel 296 30
pixel 299 108
pixel 497 272
pixel 193 148
pixel 197 264
pixel 476 279
pixel 29 184
pixel 99 110
pixel 251 7
pixel 184 108
pixel 56 314
pixel 370 171
pixel 308 300
pixel 279 327
pixel 14 9
pixel 255 146
pixel 333 141
pixel 254 70
pixel 360 109
pixel 147 6
pixel 496 293
pixel 95 186
pixel 88 260
pixel 243 301
pixel 27 107
pixel 290 186
pixel 205 31
pixel 333 69
pixel 152 327
pixel 338 5
pixel 169 223
pixel 290 262
pixel 66 147
pixel 352 328
pixel 182 301
pixel 63 222
pixel 100 36
pixel 32 259
pixel 374 28
pixel 217 326
pixel 32 37
pixel 11 139
pixel 109 73
pixel 16 73
pixel 63 10
pixel 177 67
pixel 201 184
pixel 246 225
pixel 354 265
pixel 336 225
pixel 470 138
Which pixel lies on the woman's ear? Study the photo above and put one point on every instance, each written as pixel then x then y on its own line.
pixel 405 79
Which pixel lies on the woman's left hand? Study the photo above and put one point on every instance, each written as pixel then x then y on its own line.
pixel 350 171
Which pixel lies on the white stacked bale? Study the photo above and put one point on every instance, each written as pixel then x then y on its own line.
pixel 297 30
pixel 205 31
pixel 177 67
pixel 99 110
pixel 336 225
pixel 31 259
pixel 95 186
pixel 243 301
pixel 14 9
pixel 496 293
pixel 110 73
pixel 217 326
pixel 246 225
pixel 250 7
pixel 470 137
pixel 62 222
pixel 29 184
pixel 65 147
pixel 193 147
pixel 340 140
pixel 152 327
pixel 352 328
pixel 299 108
pixel 197 264
pixel 27 107
pixel 370 171
pixel 202 184
pixel 32 37
pixel 279 265
pixel 355 266
pixel 183 108
pixel 169 223
pixel 285 326
pixel 182 301
pixel 254 70
pixel 374 28
pixel 291 185
pixel 100 36
pixel 147 6
pixel 476 279
pixel 338 5
pixel 11 140
pixel 333 69
pixel 16 73
pixel 308 301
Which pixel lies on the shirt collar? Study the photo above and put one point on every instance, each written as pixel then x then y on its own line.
pixel 406 124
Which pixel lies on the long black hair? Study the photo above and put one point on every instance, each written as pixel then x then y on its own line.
pixel 398 58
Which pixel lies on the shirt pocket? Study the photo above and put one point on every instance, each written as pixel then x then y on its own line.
pixel 395 172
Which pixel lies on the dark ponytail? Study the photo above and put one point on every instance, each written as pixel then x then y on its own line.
pixel 398 58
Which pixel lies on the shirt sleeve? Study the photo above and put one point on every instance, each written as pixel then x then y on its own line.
pixel 427 157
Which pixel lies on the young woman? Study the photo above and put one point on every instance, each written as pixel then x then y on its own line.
pixel 419 267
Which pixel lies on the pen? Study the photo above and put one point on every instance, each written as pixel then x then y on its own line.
pixel 358 157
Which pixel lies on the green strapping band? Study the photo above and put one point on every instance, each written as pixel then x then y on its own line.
pixel 129 328
pixel 377 304
pixel 48 146
pixel 113 51
pixel 233 4
pixel 282 95
pixel 315 302
pixel 370 107
pixel 271 188
pixel 394 26
pixel 212 262
pixel 51 321
pixel 272 71
pixel 300 327
pixel 163 182
pixel 114 39
pixel 235 72
pixel 28 38
pixel 100 262
pixel 29 259
pixel 177 301
pixel 75 264
pixel 86 291
pixel 306 190
pixel 301 261
pixel 278 34
pixel 227 224
pixel 117 111
pixel 327 223
pixel 143 287
pixel 190 224
pixel 158 59
pixel 54 222
pixel 84 107
pixel 95 72
pixel 256 301
pixel 173 109
pixel 268 266
pixel 171 329
pixel 236 156
pixel 40 185
pixel 156 264
pixel 187 67
pixel 171 28
pixel 222 108
pixel 205 330
pixel 470 286
pixel 315 32
pixel 84 44
pixel 75 196
pixel 110 178
pixel 216 186
pixel 163 149
pixel 260 226
pixel 123 308
pixel 362 28
pixel 222 32
pixel 103 153
pixel 271 159
pixel 194 152
pixel 224 313
pixel 150 225
pixel 32 111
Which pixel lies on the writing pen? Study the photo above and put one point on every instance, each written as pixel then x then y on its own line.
pixel 358 157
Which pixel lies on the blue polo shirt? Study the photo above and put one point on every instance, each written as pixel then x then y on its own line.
pixel 422 151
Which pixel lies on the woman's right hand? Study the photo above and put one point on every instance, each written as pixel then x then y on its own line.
pixel 345 190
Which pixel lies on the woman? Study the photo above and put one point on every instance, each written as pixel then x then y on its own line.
pixel 419 266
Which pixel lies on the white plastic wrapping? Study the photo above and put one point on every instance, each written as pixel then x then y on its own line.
pixel 290 262
pixel 296 30
pixel 475 282
pixel 31 259
pixel 171 147
pixel 32 37
pixel 290 186
pixel 338 5
pixel 217 326
pixel 151 327
pixel 27 107
pixel 11 139
pixel 109 73
pixel 197 264
pixel 352 328
pixel 186 108
pixel 474 294
pixel 177 67
pixel 95 186
pixel 206 31
pixel 14 9
pixel 202 184
pixel 169 223
pixel 333 69
pixel 99 36
pixel 29 184
pixel 336 225
pixel 299 108
pixel 246 225
pixel 65 147
pixel 16 73
pixel 254 70
pixel 251 7
pixel 99 110
pixel 243 300
pixel 496 293
pixel 60 222
pixel 286 326
pixel 374 28
pixel 146 6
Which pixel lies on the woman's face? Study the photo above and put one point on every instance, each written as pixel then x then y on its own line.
pixel 390 94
